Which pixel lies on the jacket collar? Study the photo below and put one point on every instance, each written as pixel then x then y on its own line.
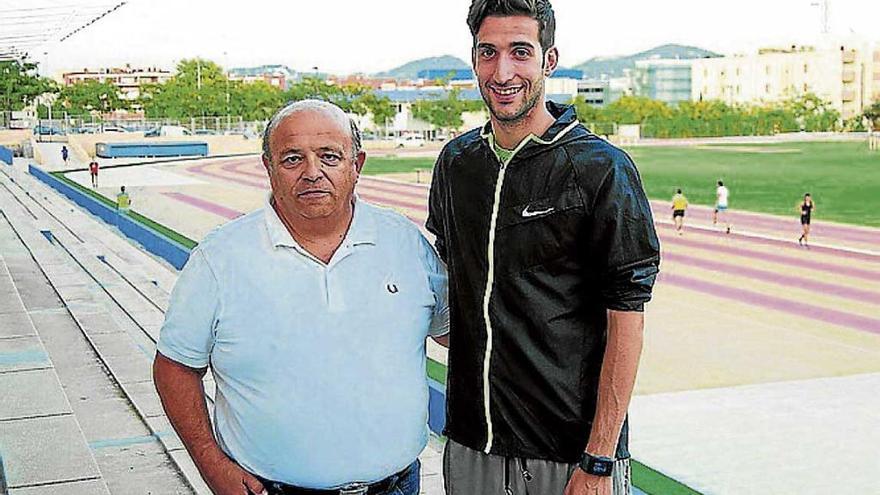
pixel 566 121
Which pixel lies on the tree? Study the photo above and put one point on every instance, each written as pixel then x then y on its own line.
pixel 381 108
pixel 812 112
pixel 873 115
pixel 254 101
pixel 20 84
pixel 197 89
pixel 445 113
pixel 637 110
pixel 91 96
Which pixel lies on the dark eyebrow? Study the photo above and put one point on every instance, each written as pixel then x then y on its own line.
pixel 485 45
pixel 522 44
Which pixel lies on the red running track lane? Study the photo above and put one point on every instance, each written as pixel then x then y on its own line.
pixel 832 316
pixel 205 205
pixel 823 288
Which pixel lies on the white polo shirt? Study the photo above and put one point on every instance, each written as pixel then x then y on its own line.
pixel 320 369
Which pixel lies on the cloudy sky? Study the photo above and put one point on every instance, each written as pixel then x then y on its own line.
pixel 345 36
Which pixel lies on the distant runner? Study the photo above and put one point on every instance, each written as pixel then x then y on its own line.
pixel 721 196
pixel 679 205
pixel 65 154
pixel 806 208
pixel 123 201
pixel 93 171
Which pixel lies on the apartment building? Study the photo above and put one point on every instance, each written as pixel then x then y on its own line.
pixel 128 79
pixel 846 75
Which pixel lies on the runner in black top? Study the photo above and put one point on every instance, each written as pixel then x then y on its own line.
pixel 806 208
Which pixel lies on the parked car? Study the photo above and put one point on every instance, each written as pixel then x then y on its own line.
pixel 410 141
pixel 204 132
pixel 167 130
pixel 113 128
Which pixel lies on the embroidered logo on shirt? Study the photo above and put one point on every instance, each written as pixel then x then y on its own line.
pixel 526 213
pixel 392 288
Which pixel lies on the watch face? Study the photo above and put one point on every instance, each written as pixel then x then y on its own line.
pixel 597 466
pixel 601 467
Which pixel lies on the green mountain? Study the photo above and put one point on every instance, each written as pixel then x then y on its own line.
pixel 613 66
pixel 410 69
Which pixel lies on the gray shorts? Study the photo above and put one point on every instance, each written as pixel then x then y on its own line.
pixel 469 472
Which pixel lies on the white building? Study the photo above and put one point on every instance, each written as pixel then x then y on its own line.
pixel 128 79
pixel 846 75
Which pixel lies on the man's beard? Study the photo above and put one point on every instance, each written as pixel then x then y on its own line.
pixel 528 105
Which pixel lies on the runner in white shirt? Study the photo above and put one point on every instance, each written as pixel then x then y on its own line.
pixel 721 194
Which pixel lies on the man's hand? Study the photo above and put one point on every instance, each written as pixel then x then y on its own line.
pixel 225 477
pixel 582 483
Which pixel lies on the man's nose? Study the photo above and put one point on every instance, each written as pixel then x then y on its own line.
pixel 504 70
pixel 312 171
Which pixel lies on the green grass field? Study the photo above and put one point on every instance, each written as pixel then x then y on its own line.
pixel 389 165
pixel 844 178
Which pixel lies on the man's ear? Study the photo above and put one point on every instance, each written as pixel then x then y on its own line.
pixel 551 61
pixel 267 163
pixel 359 161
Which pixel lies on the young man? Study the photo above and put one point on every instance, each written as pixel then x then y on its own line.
pixel 552 254
pixel 679 205
pixel 317 342
pixel 65 154
pixel 721 196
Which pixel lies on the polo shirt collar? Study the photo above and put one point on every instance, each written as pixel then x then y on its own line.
pixel 361 231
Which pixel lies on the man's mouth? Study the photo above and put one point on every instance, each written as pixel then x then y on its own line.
pixel 312 193
pixel 506 92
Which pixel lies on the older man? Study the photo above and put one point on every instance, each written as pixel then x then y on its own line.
pixel 312 313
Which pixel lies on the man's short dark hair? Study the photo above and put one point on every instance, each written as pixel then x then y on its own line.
pixel 539 10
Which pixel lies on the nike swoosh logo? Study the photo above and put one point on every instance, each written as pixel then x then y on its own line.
pixel 526 213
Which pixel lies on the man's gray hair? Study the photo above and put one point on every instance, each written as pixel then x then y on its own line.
pixel 302 105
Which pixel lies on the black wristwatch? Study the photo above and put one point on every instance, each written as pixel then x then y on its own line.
pixel 596 465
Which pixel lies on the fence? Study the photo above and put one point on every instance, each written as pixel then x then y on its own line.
pixel 196 125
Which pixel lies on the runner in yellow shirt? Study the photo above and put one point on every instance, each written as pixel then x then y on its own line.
pixel 679 205
pixel 123 201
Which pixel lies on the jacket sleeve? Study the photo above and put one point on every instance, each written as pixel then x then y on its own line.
pixel 437 207
pixel 623 244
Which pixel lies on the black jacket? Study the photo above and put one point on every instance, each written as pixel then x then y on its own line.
pixel 569 236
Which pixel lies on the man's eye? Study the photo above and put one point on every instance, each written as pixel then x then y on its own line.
pixel 487 52
pixel 521 53
pixel 291 161
pixel 331 158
